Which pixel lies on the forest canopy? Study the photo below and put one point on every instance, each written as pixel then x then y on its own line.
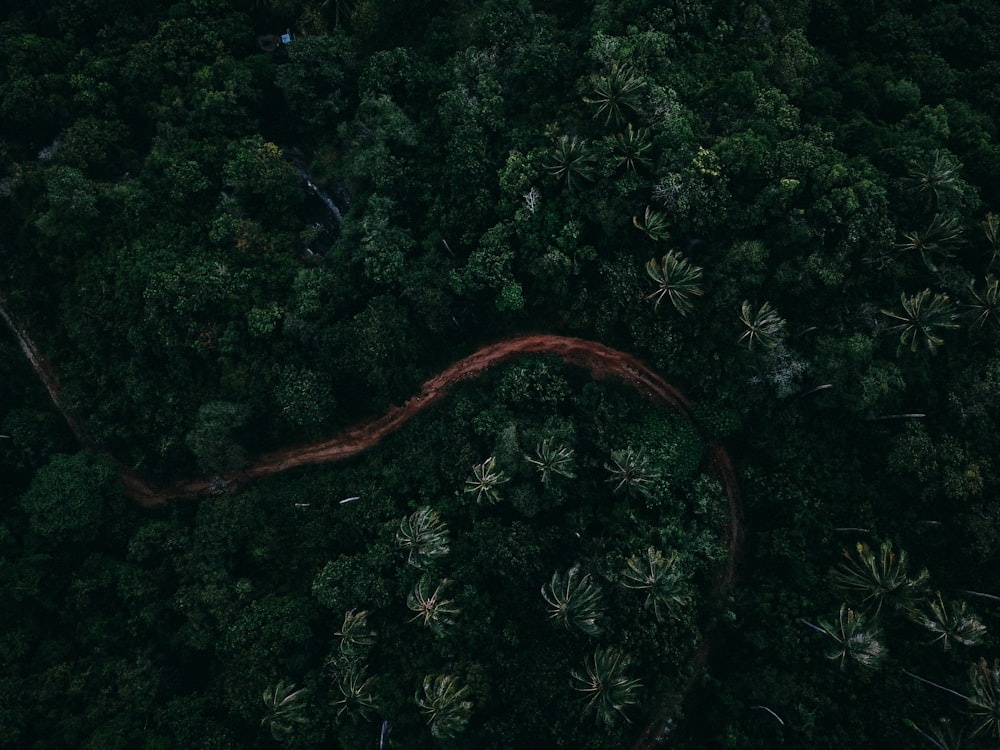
pixel 232 226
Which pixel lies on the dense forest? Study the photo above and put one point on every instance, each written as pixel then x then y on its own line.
pixel 232 226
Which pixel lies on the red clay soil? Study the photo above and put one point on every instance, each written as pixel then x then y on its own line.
pixel 601 361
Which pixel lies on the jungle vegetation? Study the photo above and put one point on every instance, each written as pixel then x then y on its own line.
pixel 224 243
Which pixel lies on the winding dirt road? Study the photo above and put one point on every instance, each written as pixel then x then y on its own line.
pixel 601 361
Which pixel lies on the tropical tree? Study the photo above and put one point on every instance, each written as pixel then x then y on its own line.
pixel 943 735
pixel 355 696
pixel 933 176
pixel 923 316
pixel 763 327
pixel 991 228
pixel 880 577
pixel 485 479
pixel 631 471
pixel 984 703
pixel 425 535
pixel 443 700
pixel 987 304
pixel 572 162
pixel 285 705
pixel 574 601
pixel 951 622
pixel 607 689
pixel 666 586
pixel 355 636
pixel 938 239
pixel 432 609
pixel 677 280
pixel 855 637
pixel 655 224
pixel 630 146
pixel 615 94
pixel 550 461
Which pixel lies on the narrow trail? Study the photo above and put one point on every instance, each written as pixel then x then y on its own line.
pixel 602 362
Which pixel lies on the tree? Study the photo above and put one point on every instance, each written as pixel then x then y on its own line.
pixel 572 163
pixel 616 94
pixel 933 176
pixel 987 304
pixel 630 471
pixel 653 223
pixel 763 327
pixel 880 578
pixel 355 690
pixel 665 585
pixel 285 705
pixel 355 636
pixel 923 316
pixel 574 601
pixel 210 440
pixel 677 280
pixel 485 479
pixel 551 461
pixel 443 700
pixel 425 535
pixel 984 703
pixel 856 638
pixel 607 689
pixel 951 622
pixel 630 146
pixel 940 236
pixel 432 609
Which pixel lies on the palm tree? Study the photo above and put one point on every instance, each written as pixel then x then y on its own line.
pixel 356 693
pixel 665 585
pixel 923 316
pixel 855 638
pixel 991 228
pixel 609 692
pixel 880 577
pixel 285 705
pixel 677 280
pixel 550 461
pixel 984 703
pixel 485 479
pixel 940 236
pixel 629 146
pixel 432 610
pixel 574 601
pixel 425 535
pixel 987 305
pixel 763 327
pixel 933 177
pixel 952 623
pixel 443 701
pixel 631 472
pixel 355 636
pixel 943 736
pixel 654 223
pixel 572 161
pixel 615 94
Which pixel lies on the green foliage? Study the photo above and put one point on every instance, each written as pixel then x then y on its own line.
pixel 922 318
pixel 572 162
pixel 631 471
pixel 606 687
pixel 355 635
pixel 880 578
pixel 984 703
pixel 442 699
pixel 951 622
pixel 424 535
pixel 763 327
pixel 666 587
pixel 355 698
pixel 211 438
pixel 855 637
pixel 574 600
pixel 615 94
pixel 432 610
pixel 677 280
pixel 485 480
pixel 552 461
pixel 284 704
